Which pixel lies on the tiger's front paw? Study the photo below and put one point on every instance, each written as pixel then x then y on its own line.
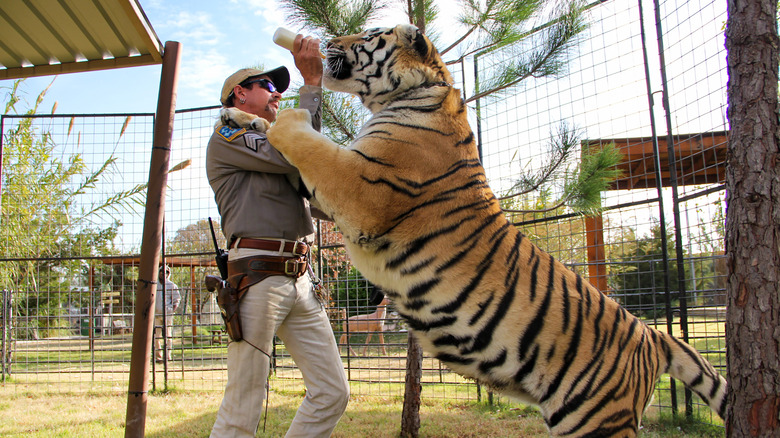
pixel 236 118
pixel 260 124
pixel 291 126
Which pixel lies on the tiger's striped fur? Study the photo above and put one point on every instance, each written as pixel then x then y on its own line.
pixel 418 218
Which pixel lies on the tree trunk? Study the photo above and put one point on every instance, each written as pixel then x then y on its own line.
pixel 410 418
pixel 753 220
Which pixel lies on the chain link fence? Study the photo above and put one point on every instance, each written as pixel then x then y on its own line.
pixel 72 215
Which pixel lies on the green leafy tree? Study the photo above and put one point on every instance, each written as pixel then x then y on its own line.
pixel 195 240
pixel 48 227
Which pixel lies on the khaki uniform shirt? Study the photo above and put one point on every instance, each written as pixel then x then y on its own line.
pixel 251 181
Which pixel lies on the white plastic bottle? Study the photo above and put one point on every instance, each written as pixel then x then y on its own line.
pixel 285 38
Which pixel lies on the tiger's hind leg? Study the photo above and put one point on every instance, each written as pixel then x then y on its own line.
pixel 580 414
pixel 235 118
pixel 607 429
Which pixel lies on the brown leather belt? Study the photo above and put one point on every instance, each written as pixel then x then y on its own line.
pixel 247 271
pixel 298 248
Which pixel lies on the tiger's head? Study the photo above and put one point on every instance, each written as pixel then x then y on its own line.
pixel 379 64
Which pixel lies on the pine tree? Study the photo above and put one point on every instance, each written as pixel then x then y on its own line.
pixel 753 220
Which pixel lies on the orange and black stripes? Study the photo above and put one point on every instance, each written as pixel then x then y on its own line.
pixel 480 296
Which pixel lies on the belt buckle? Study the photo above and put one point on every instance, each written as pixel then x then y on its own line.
pixel 291 267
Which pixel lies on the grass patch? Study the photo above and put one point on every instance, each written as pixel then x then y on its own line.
pixel 33 402
pixel 668 425
pixel 32 411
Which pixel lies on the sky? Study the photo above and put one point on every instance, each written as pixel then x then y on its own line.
pixel 217 38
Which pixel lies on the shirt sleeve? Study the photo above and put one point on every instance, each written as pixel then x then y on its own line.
pixel 311 99
pixel 175 295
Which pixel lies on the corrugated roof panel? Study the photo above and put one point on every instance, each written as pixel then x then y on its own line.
pixel 88 25
pixel 113 38
pixel 78 34
pixel 144 38
pixel 48 31
pixel 16 37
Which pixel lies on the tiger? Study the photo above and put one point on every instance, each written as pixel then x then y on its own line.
pixel 419 219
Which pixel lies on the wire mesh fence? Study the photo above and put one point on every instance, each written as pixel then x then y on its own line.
pixel 73 190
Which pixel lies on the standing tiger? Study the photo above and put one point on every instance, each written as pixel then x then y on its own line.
pixel 418 218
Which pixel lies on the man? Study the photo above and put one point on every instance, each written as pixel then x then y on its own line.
pixel 269 226
pixel 165 305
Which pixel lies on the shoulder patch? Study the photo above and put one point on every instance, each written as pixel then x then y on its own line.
pixel 229 133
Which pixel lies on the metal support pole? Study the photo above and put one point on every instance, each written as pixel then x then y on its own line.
pixel 661 207
pixel 143 325
pixel 2 130
pixel 478 108
pixel 194 310
pixel 675 197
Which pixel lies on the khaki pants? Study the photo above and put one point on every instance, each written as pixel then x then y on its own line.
pixel 286 307
pixel 158 337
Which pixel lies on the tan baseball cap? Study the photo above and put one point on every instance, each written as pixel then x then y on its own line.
pixel 280 76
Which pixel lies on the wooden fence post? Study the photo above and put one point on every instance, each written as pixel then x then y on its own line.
pixel 410 417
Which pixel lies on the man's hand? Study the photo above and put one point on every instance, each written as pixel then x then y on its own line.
pixel 306 51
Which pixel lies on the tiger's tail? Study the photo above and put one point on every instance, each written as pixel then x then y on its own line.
pixel 698 374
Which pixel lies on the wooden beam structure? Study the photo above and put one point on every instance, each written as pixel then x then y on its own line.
pixel 701 160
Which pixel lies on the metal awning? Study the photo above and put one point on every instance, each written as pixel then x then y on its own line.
pixel 48 37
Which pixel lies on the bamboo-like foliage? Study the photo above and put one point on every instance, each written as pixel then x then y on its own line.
pixel 50 214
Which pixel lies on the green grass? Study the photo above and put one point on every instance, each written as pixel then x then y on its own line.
pixel 667 425
pixel 32 411
pixel 40 409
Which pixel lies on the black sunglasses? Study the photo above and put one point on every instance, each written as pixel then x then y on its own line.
pixel 265 83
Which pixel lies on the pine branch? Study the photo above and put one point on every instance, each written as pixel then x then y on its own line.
pixel 459 40
pixel 582 188
pixel 421 12
pixel 561 146
pixel 332 17
pixel 598 168
pixel 337 121
pixel 557 36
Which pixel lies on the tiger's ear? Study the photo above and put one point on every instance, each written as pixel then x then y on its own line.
pixel 412 37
